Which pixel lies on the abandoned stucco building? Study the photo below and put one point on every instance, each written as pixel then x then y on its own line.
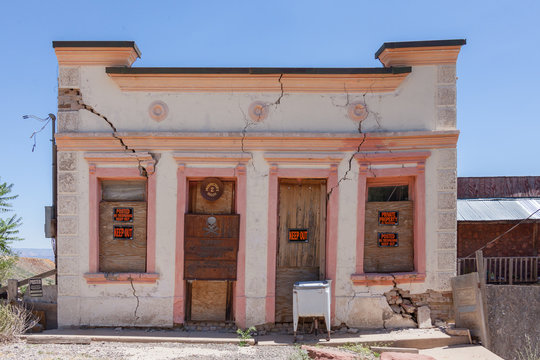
pixel 205 193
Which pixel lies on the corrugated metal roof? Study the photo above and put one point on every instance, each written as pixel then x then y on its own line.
pixel 497 209
pixel 498 187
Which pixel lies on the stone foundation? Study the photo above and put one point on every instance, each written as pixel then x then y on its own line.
pixel 403 303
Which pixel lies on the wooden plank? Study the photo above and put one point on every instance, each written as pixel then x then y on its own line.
pixel 209 270
pixel 122 255
pixel 226 226
pixel 211 246
pixel 209 300
pixel 389 259
pixel 224 205
pixel 12 290
pixel 285 279
pixel 57 339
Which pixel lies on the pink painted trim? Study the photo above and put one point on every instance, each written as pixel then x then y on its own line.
pixel 240 289
pixel 361 214
pixel 416 176
pixel 271 253
pixel 96 175
pixel 332 216
pixel 120 278
pixel 184 173
pixel 331 228
pixel 372 279
pixel 179 286
pixel 420 220
pixel 151 224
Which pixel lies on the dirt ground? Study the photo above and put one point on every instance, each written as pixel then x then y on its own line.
pixel 149 351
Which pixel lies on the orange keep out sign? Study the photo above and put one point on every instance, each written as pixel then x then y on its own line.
pixel 123 232
pixel 298 235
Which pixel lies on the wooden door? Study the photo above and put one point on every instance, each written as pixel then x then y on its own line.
pixel 302 206
pixel 210 300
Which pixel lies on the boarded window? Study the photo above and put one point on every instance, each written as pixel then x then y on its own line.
pixel 122 226
pixel 389 237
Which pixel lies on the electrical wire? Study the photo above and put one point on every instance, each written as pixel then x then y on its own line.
pixel 504 233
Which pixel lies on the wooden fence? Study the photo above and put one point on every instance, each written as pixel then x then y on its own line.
pixel 504 270
pixel 13 285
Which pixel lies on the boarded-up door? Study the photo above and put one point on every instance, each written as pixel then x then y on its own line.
pixel 209 300
pixel 302 213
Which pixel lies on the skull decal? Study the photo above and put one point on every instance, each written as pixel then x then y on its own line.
pixel 211 226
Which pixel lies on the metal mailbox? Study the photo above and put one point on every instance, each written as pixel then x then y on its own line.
pixel 312 299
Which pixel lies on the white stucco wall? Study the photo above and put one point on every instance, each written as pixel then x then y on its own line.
pixel 424 101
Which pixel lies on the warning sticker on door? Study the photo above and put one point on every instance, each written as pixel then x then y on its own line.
pixel 387 239
pixel 298 235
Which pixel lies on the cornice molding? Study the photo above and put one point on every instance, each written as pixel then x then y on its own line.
pixel 103 56
pixel 414 56
pixel 289 83
pixel 303 158
pixel 273 142
pixel 212 157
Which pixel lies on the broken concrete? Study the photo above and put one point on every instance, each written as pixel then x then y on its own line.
pixel 423 317
pixel 396 321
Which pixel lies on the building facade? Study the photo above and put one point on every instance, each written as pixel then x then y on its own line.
pixel 203 194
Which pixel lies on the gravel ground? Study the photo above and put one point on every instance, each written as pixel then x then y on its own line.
pixel 134 351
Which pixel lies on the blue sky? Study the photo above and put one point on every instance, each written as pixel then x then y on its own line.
pixel 497 85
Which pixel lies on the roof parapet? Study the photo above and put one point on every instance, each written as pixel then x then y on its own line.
pixel 103 53
pixel 414 53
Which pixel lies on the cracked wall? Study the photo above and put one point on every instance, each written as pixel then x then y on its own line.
pixel 90 102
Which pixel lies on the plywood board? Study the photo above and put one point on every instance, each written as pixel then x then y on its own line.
pixel 122 255
pixel 209 300
pixel 211 247
pixel 285 279
pixel 389 259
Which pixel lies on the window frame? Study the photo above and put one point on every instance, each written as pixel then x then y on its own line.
pixel 120 167
pixel 388 169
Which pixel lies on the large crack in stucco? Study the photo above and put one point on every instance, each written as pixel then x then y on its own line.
pixel 250 123
pixel 135 316
pixel 142 168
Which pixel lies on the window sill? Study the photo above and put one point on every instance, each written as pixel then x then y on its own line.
pixel 120 278
pixel 371 279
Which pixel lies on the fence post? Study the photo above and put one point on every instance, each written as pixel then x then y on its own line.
pixel 511 271
pixel 481 265
pixel 12 290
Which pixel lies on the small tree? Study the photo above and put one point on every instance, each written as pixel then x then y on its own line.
pixel 8 227
pixel 8 232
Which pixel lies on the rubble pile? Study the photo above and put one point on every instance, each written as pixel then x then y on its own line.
pixel 401 302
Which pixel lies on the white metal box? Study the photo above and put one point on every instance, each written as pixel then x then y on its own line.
pixel 312 299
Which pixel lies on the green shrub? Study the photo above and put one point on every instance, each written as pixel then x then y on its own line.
pixel 14 320
pixel 245 335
